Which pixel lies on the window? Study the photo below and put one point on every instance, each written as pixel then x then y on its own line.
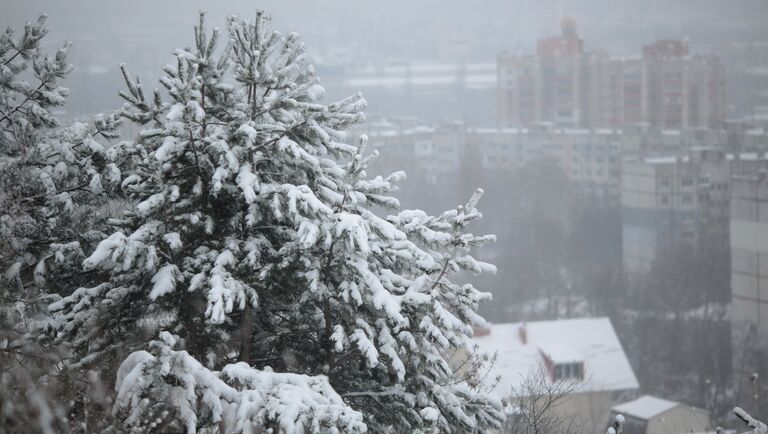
pixel 686 182
pixel 566 371
pixel 687 198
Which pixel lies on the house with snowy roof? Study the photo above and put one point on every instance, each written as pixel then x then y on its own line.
pixel 651 415
pixel 584 352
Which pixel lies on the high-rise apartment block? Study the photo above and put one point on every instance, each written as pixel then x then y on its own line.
pixel 677 198
pixel 749 248
pixel 667 87
pixel 749 284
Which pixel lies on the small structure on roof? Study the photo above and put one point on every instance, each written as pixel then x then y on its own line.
pixel 585 351
pixel 651 415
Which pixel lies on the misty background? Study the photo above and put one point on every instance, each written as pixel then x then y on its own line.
pixel 428 69
pixel 354 40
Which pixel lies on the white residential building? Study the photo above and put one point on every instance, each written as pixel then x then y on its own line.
pixel 586 351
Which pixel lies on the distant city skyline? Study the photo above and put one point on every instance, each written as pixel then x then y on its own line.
pixel 106 34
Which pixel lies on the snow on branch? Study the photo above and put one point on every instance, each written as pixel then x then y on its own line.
pixel 757 426
pixel 169 389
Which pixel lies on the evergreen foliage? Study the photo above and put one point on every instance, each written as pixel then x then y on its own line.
pixel 254 248
pixel 52 179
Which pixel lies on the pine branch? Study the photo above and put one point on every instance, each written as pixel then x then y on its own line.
pixel 18 52
pixel 442 273
pixel 66 190
pixel 7 116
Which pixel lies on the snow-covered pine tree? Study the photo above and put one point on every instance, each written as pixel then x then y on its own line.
pixel 255 251
pixel 51 180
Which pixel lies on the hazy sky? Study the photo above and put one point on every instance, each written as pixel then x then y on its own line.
pixel 400 24
pixel 142 33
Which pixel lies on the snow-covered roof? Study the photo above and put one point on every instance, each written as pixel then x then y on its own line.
pixel 471 80
pixel 491 130
pixel 747 156
pixel 671 159
pixel 728 431
pixel 560 352
pixel 666 160
pixel 757 132
pixel 591 340
pixel 422 129
pixel 645 407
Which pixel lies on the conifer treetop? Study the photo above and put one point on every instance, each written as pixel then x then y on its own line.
pixel 256 238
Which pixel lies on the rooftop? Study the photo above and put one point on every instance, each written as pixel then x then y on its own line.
pixel 591 340
pixel 560 352
pixel 645 407
pixel 682 159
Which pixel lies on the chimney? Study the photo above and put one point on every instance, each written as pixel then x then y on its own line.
pixel 481 331
pixel 522 332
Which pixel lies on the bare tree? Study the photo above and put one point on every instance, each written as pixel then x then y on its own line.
pixel 532 407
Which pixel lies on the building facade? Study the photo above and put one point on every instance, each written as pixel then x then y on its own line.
pixel 749 289
pixel 680 198
pixel 749 249
pixel 590 158
pixel 667 87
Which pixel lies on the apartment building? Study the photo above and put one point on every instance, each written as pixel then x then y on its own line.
pixel 749 248
pixel 591 158
pixel 749 286
pixel 667 87
pixel 674 198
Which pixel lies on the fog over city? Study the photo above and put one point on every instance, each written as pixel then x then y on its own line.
pixel 231 216
pixel 346 36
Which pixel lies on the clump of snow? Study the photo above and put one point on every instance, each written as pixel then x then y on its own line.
pixel 430 414
pixel 164 281
pixel 236 399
